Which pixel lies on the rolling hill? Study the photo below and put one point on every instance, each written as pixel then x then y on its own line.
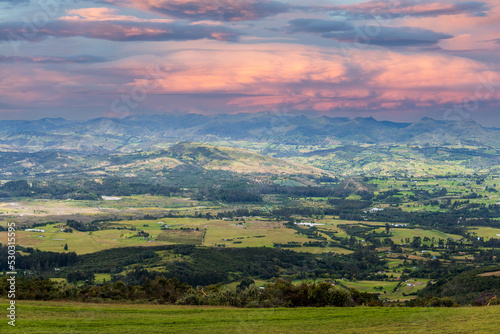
pixel 184 157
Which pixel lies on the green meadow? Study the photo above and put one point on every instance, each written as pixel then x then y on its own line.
pixel 65 317
pixel 403 233
pixel 485 232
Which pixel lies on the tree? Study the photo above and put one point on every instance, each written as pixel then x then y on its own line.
pixel 417 241
pixel 66 247
pixel 245 283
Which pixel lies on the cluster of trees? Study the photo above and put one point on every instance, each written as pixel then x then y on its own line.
pixel 348 205
pixel 76 276
pixel 38 261
pixel 282 293
pixel 114 260
pixel 296 192
pixel 229 189
pixel 206 265
pixel 280 213
pixel 211 266
pixel 84 189
pixel 83 227
pixel 236 192
pixel 162 290
pixel 395 196
pixel 454 222
pixel 277 293
pixel 431 302
pixel 229 194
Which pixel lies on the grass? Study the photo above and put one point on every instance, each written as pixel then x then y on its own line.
pixel 403 293
pixel 65 317
pixel 318 250
pixel 485 232
pixel 370 286
pixel 231 233
pixel 253 233
pixel 79 242
pixel 191 237
pixel 403 233
pixel 100 278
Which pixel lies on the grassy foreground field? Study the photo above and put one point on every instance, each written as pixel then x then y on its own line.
pixel 64 317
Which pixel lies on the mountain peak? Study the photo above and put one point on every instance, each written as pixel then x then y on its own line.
pixel 369 119
pixel 426 119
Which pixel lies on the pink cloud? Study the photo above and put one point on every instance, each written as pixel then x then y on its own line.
pixel 104 14
pixel 221 77
pixel 25 85
pixel 319 79
pixel 217 10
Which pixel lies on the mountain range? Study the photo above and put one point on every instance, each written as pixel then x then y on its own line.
pixel 147 132
pixel 245 144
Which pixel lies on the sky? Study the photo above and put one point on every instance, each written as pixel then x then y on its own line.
pixel 397 60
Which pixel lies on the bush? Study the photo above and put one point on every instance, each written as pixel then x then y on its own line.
pixel 432 302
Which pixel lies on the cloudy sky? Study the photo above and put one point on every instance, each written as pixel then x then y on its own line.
pixel 390 59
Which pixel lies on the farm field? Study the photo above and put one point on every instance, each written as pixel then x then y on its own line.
pixel 485 232
pixel 399 234
pixel 256 232
pixel 164 231
pixel 372 243
pixel 30 210
pixel 53 239
pixel 318 250
pixel 66 317
pixel 405 291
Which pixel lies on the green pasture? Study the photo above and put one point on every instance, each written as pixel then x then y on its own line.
pixel 403 233
pixel 485 232
pixel 251 236
pixel 317 250
pixel 64 317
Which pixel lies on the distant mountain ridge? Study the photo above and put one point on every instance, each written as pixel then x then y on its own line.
pixel 146 132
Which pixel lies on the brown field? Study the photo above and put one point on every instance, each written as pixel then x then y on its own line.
pixel 491 273
pixel 191 237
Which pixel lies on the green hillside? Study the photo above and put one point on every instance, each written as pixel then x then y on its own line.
pixel 178 159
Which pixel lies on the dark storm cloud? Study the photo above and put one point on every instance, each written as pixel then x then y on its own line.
pixel 121 31
pixel 389 36
pixel 225 11
pixel 84 59
pixel 215 10
pixel 376 35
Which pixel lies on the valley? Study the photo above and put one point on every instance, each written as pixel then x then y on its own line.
pixel 395 221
